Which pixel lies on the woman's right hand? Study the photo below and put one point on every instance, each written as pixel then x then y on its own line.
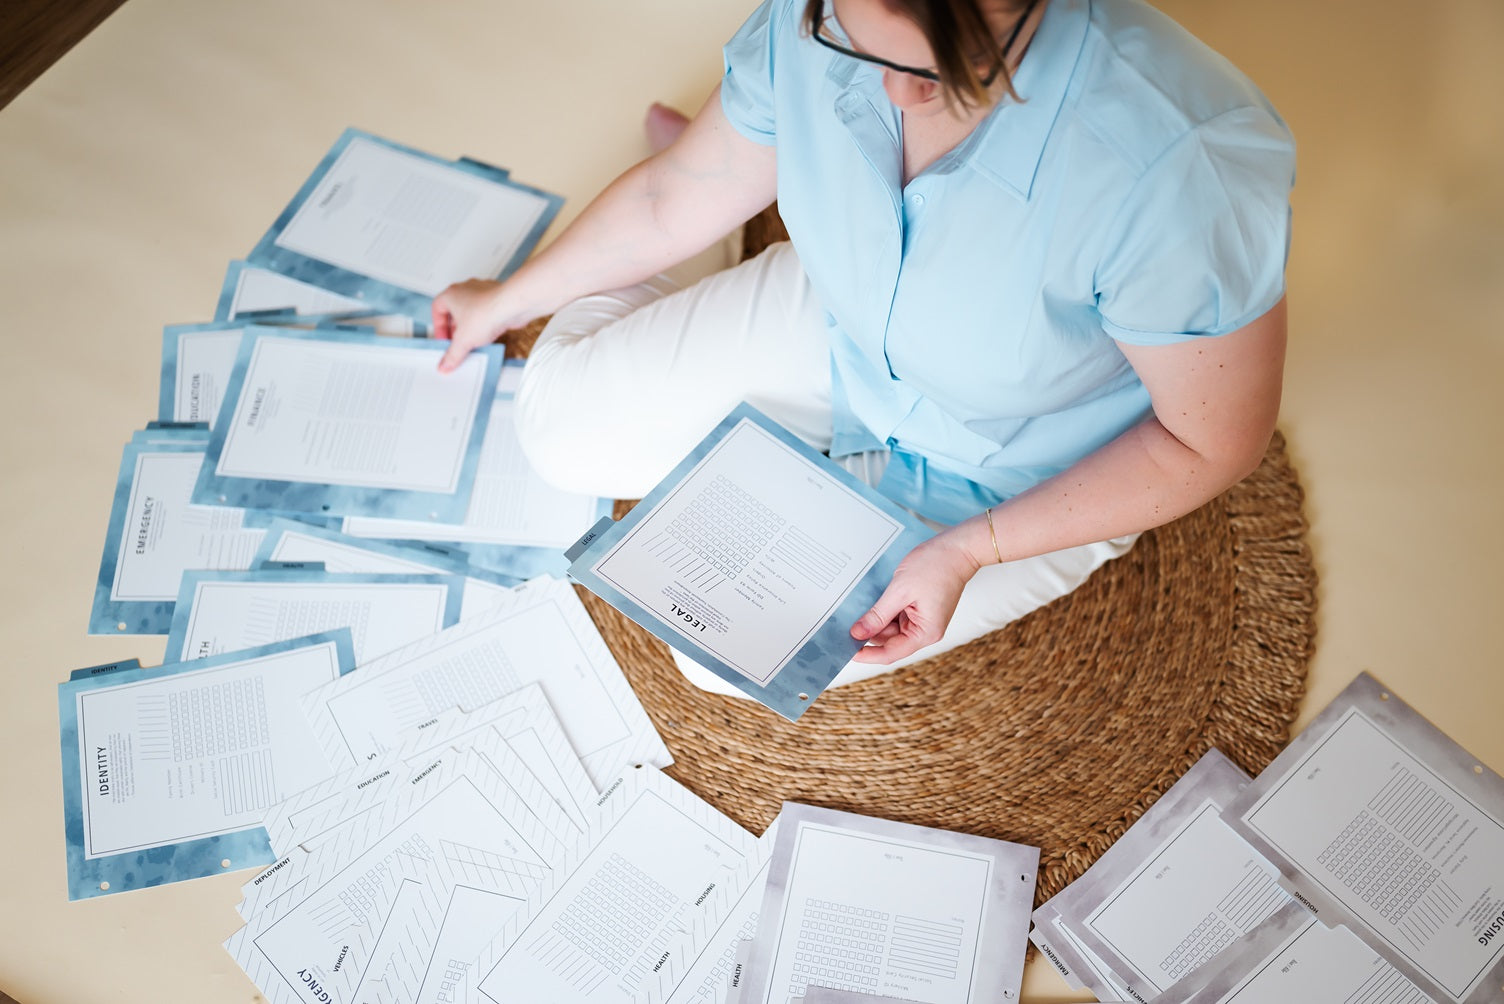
pixel 471 314
pixel 656 215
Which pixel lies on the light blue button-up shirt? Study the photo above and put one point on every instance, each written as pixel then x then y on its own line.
pixel 1139 193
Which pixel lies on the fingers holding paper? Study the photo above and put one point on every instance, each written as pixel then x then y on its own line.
pixel 917 605
pixel 471 314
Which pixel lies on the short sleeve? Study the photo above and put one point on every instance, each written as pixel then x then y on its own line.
pixel 747 86
pixel 1199 245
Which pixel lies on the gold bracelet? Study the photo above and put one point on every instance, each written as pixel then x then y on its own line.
pixel 990 529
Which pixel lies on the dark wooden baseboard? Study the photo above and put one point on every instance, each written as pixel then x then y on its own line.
pixel 34 34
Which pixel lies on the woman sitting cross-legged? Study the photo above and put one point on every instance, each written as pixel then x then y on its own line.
pixel 1034 288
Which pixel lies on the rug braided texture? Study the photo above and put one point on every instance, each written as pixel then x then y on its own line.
pixel 1058 730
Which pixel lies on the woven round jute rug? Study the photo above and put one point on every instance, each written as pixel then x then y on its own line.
pixel 1057 731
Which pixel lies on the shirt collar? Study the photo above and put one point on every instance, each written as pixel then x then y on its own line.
pixel 1007 147
pixel 1010 143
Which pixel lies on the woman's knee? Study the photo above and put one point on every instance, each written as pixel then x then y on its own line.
pixel 568 401
pixel 584 426
pixel 556 424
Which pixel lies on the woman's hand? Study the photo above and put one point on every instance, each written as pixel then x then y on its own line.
pixel 471 314
pixel 917 605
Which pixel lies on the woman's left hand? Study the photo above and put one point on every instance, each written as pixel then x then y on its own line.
pixel 917 605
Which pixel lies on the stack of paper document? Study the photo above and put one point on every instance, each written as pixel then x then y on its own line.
pixel 446 872
pixel 490 870
pixel 1365 864
pixel 888 910
pixel 283 422
pixel 477 815
pixel 181 770
pixel 288 431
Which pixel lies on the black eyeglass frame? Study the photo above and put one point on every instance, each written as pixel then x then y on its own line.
pixel 929 75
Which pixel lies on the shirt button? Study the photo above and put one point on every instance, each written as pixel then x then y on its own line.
pixel 917 201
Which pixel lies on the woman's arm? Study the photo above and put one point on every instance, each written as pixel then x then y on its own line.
pixel 660 212
pixel 1215 403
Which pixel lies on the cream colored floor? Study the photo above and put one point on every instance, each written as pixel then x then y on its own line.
pixel 164 145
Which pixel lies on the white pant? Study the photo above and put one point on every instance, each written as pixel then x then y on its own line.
pixel 622 385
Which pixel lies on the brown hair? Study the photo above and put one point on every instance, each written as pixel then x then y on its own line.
pixel 957 31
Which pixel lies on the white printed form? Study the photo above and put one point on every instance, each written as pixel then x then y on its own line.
pixel 1106 984
pixel 260 289
pixel 164 533
pixel 377 898
pixel 314 825
pixel 1200 891
pixel 527 722
pixel 1319 964
pixel 355 414
pixel 541 636
pixel 510 503
pixel 1049 937
pixel 474 916
pixel 635 911
pixel 751 553
pixel 1175 890
pixel 866 913
pixel 1072 958
pixel 890 909
pixel 347 802
pixel 426 953
pixel 197 753
pixel 204 362
pixel 337 946
pixel 353 556
pixel 708 979
pixel 453 798
pixel 224 615
pixel 410 221
pixel 337 799
pixel 1368 825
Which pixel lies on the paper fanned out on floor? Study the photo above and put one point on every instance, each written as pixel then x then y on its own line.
pixel 156 533
pixel 292 541
pixel 1176 889
pixel 542 635
pixel 418 730
pixel 1381 823
pixel 223 611
pixel 1365 864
